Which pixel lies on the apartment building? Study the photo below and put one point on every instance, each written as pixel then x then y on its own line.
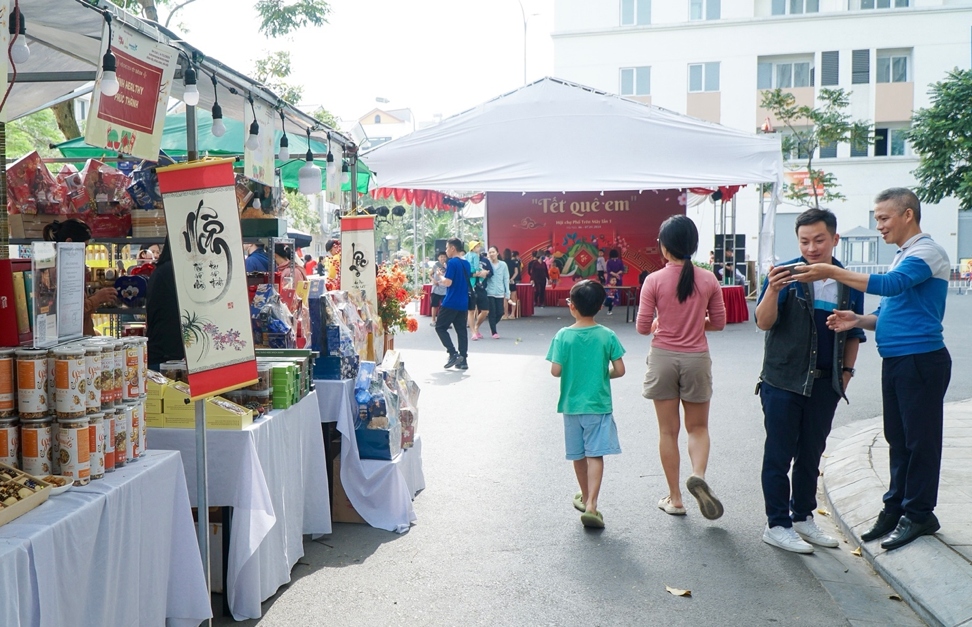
pixel 712 59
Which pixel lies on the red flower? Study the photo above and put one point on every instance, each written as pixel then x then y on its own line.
pixel 411 324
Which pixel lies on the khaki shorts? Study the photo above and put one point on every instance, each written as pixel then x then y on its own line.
pixel 686 376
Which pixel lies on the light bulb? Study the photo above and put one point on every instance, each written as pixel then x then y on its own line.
pixel 20 52
pixel 284 153
pixel 309 180
pixel 253 142
pixel 191 95
pixel 257 204
pixel 218 129
pixel 109 84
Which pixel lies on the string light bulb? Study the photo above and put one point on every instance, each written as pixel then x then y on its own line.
pixel 253 141
pixel 284 153
pixel 109 81
pixel 191 95
pixel 19 52
pixel 309 180
pixel 218 129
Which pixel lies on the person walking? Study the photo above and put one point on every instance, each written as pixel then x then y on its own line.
pixel 688 302
pixel 514 267
pixel 452 313
pixel 438 286
pixel 806 370
pixel 916 366
pixel 478 301
pixel 586 356
pixel 497 290
pixel 539 276
pixel 601 266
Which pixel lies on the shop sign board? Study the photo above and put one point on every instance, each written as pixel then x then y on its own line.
pixel 131 121
pixel 259 164
pixel 358 257
pixel 203 225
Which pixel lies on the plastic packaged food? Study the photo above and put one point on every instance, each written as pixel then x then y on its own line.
pixel 73 453
pixel 10 441
pixel 70 382
pixel 36 437
pixel 8 387
pixel 32 383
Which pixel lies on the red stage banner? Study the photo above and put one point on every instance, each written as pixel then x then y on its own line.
pixel 203 224
pixel 575 226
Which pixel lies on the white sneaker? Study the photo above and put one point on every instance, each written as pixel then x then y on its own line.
pixel 809 531
pixel 785 538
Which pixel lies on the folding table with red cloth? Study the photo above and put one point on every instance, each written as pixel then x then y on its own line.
pixel 734 296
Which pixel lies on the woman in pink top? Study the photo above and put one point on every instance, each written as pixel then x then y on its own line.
pixel 688 302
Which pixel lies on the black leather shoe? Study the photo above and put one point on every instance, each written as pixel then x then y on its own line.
pixel 908 530
pixel 884 525
pixel 453 360
pixel 461 364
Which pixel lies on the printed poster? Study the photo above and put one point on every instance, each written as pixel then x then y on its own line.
pixel 203 225
pixel 333 183
pixel 259 164
pixel 43 267
pixel 358 257
pixel 70 291
pixel 131 121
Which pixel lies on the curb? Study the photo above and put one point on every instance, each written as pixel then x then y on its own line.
pixel 930 575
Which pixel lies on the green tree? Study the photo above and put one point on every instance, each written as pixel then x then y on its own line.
pixel 33 132
pixel 272 69
pixel 300 215
pixel 941 135
pixel 810 128
pixel 325 116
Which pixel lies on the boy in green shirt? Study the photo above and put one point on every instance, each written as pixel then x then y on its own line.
pixel 585 356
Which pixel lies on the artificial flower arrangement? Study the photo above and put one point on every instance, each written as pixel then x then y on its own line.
pixel 393 295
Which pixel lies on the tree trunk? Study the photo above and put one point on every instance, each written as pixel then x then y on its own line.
pixel 149 9
pixel 64 113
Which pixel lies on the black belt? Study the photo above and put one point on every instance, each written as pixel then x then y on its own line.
pixel 821 374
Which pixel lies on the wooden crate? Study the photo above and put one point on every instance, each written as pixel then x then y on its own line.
pixel 21 507
pixel 27 226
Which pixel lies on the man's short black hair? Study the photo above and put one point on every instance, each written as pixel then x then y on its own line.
pixel 587 297
pixel 439 253
pixel 456 243
pixel 330 244
pixel 812 216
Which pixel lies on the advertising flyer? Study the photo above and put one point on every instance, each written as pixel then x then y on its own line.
pixel 70 291
pixel 259 164
pixel 44 272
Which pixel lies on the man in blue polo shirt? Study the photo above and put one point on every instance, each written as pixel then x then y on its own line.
pixel 916 365
pixel 452 313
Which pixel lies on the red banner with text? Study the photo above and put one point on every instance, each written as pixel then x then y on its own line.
pixel 577 225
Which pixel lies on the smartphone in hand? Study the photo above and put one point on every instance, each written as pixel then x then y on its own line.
pixel 792 268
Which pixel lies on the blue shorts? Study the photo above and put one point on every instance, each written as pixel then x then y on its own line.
pixel 590 435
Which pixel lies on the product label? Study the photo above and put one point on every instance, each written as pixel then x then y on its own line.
pixel 8 446
pixel 36 450
pixel 6 384
pixel 73 452
pixel 61 374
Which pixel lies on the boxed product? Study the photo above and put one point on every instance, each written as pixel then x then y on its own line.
pixel 377 429
pixel 32 189
pixel 107 188
pixel 19 493
pixel 408 416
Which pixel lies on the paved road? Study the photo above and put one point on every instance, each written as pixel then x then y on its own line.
pixel 497 541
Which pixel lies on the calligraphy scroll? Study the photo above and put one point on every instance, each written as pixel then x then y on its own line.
pixel 358 257
pixel 131 121
pixel 203 224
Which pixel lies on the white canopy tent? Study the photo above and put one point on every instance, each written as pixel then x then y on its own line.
pixel 552 135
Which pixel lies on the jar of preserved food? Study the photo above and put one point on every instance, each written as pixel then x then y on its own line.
pixel 75 457
pixel 132 429
pixel 36 437
pixel 32 383
pixel 10 441
pixel 96 444
pixel 121 436
pixel 92 364
pixel 110 440
pixel 8 387
pixel 70 382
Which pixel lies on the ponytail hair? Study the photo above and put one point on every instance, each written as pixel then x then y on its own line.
pixel 73 229
pixel 680 238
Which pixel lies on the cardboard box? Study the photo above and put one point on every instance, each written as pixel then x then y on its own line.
pixel 153 405
pixel 341 508
pixel 217 417
pixel 18 509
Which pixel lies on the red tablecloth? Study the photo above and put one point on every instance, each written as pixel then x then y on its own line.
pixel 524 293
pixel 425 305
pixel 734 296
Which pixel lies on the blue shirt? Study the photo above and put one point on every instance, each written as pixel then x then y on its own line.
pixel 909 319
pixel 258 261
pixel 457 294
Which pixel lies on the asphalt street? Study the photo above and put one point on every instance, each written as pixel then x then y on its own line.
pixel 497 541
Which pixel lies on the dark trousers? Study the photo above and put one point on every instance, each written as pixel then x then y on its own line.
pixel 914 388
pixel 540 296
pixel 495 312
pixel 456 319
pixel 797 427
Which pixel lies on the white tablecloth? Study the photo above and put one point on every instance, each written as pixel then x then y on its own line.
pixel 381 491
pixel 274 477
pixel 121 551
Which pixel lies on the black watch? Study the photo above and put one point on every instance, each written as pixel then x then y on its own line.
pixel 850 370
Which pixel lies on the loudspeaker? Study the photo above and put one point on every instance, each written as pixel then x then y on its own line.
pixel 440 245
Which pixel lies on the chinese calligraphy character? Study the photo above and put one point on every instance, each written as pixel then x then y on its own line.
pixel 358 260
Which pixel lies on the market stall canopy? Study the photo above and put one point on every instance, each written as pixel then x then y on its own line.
pixel 230 144
pixel 65 41
pixel 553 135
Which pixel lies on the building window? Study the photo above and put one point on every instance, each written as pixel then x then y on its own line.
pixel 705 9
pixel 795 7
pixel 858 146
pixel 635 12
pixel 860 67
pixel 892 69
pixel 636 81
pixel 784 75
pixel 830 68
pixel 828 151
pixel 377 119
pixel 704 77
pixel 884 4
pixel 890 142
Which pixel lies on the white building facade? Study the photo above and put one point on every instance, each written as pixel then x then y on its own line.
pixel 712 58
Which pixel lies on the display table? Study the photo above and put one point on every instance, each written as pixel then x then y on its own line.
pixel 380 491
pixel 120 551
pixel 734 296
pixel 274 477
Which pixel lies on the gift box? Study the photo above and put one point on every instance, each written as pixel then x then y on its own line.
pixel 384 444
pixel 107 188
pixel 408 417
pixel 331 367
pixel 32 189
pixel 76 194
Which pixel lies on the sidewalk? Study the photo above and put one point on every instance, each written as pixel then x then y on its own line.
pixel 934 573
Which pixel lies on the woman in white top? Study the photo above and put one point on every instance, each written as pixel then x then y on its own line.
pixel 497 289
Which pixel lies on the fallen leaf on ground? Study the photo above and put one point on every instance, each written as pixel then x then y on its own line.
pixel 894 597
pixel 825 455
pixel 822 511
pixel 856 552
pixel 678 592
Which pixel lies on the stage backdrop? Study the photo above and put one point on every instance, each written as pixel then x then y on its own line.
pixel 576 225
